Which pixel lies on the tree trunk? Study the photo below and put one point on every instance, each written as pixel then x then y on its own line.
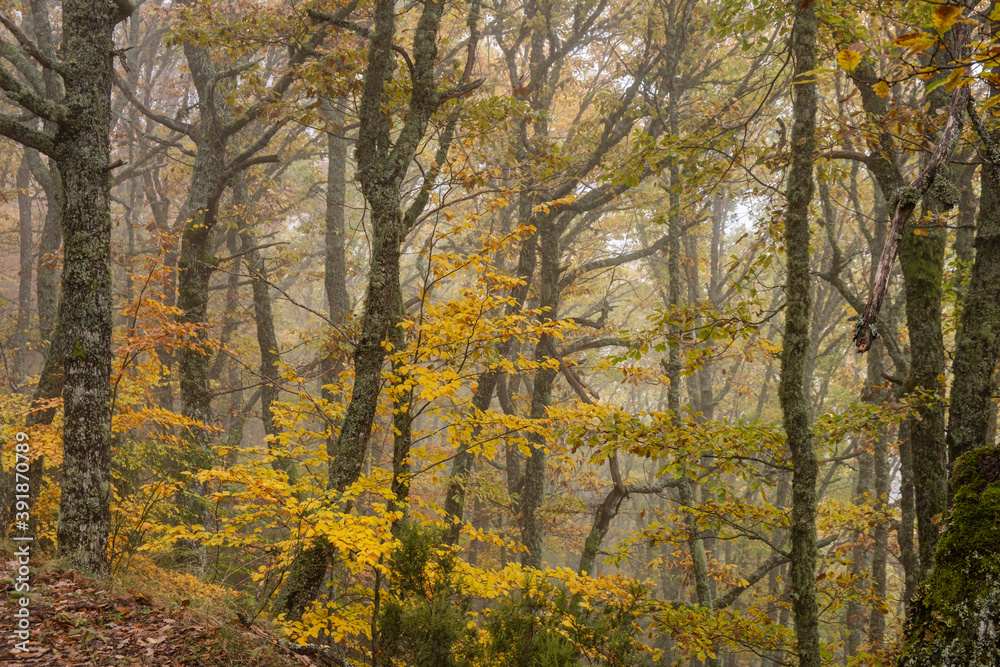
pixel 195 267
pixel 267 339
pixel 20 338
pixel 978 342
pixel 922 261
pixel 454 503
pixel 382 166
pixel 335 275
pixel 775 613
pixel 47 283
pixel 795 344
pixel 957 613
pixel 880 471
pixel 83 155
pixel 533 482
pixel 908 556
pixel 855 621
pixel 338 300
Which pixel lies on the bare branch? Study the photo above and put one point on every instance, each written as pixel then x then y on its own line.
pixel 29 99
pixel 906 200
pixel 212 210
pixel 592 344
pixel 845 155
pixel 26 136
pixel 29 46
pixel 166 121
pixel 607 262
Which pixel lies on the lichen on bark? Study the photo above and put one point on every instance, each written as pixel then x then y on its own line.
pixel 795 342
pixel 956 614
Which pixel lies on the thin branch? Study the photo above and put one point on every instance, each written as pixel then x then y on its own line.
pixel 26 136
pixel 29 99
pixel 845 155
pixel 166 121
pixel 212 210
pixel 249 250
pixel 906 201
pixel 593 343
pixel 608 262
pixel 30 46
pixel 338 21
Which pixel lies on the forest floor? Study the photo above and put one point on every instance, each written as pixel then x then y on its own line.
pixel 78 621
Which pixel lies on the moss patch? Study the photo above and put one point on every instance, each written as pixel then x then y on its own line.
pixel 956 617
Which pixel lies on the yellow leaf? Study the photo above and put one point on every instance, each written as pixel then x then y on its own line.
pixel 916 41
pixel 955 79
pixel 849 59
pixel 945 17
pixel 881 89
pixel 993 100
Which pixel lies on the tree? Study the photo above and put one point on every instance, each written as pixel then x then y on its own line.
pixel 382 167
pixel 795 342
pixel 80 147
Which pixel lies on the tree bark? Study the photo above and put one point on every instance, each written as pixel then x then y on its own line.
pixel 533 482
pixel 795 344
pixel 855 619
pixel 47 282
pixel 19 340
pixel 335 262
pixel 195 266
pixel 82 151
pixel 921 257
pixel 876 395
pixel 267 339
pixel 977 344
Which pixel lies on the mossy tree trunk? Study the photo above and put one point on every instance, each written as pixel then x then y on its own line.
pixel 83 155
pixel 795 342
pixel 921 257
pixel 195 265
pixel 923 451
pixel 977 344
pixel 956 614
pixel 77 115
pixel 922 261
